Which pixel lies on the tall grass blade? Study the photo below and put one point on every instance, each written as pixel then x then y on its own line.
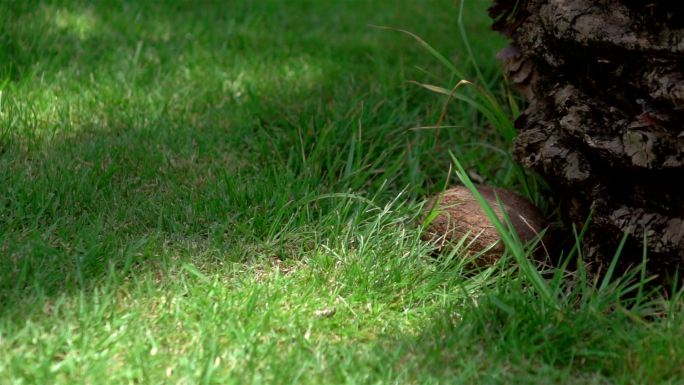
pixel 613 263
pixel 442 59
pixel 511 241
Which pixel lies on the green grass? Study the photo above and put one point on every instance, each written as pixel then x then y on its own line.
pixel 185 186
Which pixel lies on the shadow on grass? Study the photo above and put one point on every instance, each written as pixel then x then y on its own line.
pixel 511 338
pixel 137 135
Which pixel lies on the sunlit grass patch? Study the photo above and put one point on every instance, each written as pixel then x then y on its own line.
pixel 81 24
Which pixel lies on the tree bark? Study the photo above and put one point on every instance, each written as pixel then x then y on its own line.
pixel 605 120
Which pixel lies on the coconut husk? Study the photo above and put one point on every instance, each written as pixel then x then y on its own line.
pixel 460 215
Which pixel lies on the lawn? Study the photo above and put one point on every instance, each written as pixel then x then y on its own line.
pixel 230 192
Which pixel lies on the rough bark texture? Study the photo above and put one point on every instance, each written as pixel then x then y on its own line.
pixel 605 122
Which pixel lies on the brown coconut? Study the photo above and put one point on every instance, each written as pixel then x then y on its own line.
pixel 459 213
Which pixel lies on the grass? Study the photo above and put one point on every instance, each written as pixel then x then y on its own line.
pixel 229 192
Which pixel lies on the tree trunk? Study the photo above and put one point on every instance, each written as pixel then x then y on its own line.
pixel 605 121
